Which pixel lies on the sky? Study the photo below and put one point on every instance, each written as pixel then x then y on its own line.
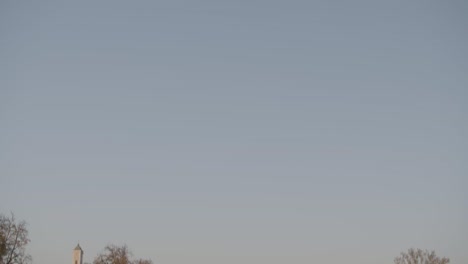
pixel 210 132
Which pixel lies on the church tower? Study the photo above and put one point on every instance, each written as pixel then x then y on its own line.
pixel 78 255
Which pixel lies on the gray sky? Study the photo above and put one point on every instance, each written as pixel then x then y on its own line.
pixel 210 132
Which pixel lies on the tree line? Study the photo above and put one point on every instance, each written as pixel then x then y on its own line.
pixel 14 239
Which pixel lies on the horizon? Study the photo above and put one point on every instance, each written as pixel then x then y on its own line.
pixel 231 131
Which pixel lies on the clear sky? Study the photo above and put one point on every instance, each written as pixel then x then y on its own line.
pixel 210 132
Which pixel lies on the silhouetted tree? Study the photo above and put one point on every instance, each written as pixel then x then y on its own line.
pixel 113 254
pixel 419 256
pixel 13 241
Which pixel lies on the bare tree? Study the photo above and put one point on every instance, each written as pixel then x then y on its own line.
pixel 2 246
pixel 419 256
pixel 142 261
pixel 14 238
pixel 113 254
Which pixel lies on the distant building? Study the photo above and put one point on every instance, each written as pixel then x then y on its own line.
pixel 78 255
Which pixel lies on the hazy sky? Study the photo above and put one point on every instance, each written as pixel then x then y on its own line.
pixel 227 132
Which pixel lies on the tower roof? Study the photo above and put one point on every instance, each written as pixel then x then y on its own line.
pixel 78 247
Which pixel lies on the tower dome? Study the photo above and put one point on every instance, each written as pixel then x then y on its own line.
pixel 78 255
